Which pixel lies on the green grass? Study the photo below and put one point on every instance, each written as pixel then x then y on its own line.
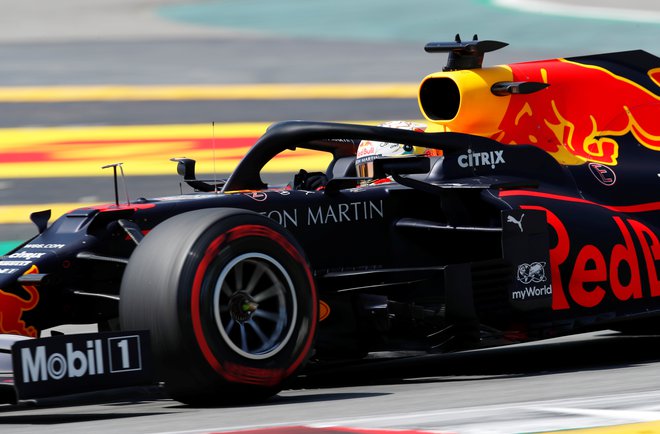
pixel 6 246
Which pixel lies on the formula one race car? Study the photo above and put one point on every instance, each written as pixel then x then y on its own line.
pixel 532 211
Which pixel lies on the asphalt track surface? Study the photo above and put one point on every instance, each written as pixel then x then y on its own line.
pixel 592 380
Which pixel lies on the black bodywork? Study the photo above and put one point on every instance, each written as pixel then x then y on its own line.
pixel 484 245
pixel 400 264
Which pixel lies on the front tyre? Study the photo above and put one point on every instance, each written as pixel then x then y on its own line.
pixel 230 303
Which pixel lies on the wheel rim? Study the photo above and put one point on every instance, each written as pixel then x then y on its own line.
pixel 255 306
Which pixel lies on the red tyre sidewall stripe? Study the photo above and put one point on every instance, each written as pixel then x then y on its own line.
pixel 195 295
pixel 211 252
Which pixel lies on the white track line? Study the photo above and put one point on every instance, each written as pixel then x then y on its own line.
pixel 583 406
pixel 581 11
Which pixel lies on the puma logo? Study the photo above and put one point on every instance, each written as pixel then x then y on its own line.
pixel 512 219
pixel 12 307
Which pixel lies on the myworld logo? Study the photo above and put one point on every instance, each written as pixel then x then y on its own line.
pixel 532 292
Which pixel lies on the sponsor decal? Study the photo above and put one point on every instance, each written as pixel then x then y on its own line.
pixel 534 272
pixel 26 255
pixel 481 159
pixel 604 174
pixel 518 222
pixel 532 292
pixel 44 246
pixel 530 274
pixel 525 243
pixel 15 263
pixel 40 365
pixel 345 212
pixel 620 272
pixel 76 363
pixel 328 214
pixel 259 196
pixel 610 107
pixel 12 308
pixel 8 270
pixel 37 365
pixel 366 149
pixel 286 218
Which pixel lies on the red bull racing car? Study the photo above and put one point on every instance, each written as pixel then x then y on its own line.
pixel 530 208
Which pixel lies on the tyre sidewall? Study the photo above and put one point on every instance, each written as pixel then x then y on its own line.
pixel 223 241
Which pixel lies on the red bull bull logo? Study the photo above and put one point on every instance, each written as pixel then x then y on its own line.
pixel 578 110
pixel 12 308
pixel 584 112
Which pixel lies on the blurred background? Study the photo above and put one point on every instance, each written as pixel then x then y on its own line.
pixel 85 83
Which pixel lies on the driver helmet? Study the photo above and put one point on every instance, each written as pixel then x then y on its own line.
pixel 369 150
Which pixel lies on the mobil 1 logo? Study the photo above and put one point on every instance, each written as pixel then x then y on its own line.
pixel 69 364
